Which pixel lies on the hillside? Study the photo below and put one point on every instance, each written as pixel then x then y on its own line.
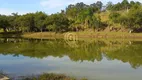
pixel 124 16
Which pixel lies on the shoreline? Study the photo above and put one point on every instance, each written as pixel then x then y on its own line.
pixel 44 76
pixel 75 35
pixel 84 35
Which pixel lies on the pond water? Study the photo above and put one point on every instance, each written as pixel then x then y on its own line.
pixel 93 59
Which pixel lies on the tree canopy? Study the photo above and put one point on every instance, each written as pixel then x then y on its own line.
pixel 77 17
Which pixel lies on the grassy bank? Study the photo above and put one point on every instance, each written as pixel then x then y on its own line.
pixel 76 35
pixel 84 35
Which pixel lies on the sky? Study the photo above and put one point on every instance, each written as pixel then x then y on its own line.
pixel 48 6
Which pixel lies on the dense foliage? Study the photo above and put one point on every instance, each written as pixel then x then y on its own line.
pixel 77 17
pixel 128 15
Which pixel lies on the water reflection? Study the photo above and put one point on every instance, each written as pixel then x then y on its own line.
pixel 95 50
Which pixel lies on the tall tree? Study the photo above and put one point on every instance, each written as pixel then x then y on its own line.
pixel 57 22
pixel 125 4
pixel 39 19
pixel 109 5
pixel 4 24
pixel 99 4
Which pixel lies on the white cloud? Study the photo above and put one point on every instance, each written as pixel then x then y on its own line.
pixel 53 6
pixel 63 3
pixel 84 1
pixel 53 3
pixel 6 11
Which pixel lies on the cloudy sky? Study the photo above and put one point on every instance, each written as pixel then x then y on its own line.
pixel 49 6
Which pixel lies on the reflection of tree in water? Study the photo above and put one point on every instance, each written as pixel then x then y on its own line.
pixel 131 54
pixel 85 50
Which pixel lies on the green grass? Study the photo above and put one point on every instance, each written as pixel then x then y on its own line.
pixel 1 30
pixel 89 34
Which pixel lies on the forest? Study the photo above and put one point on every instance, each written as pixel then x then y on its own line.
pixel 78 17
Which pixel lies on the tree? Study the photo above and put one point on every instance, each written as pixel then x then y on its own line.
pixel 125 3
pixel 99 4
pixel 4 22
pixel 58 22
pixel 131 19
pixel 11 19
pixel 132 3
pixel 26 23
pixel 39 18
pixel 109 5
pixel 135 17
pixel 114 17
pixel 72 12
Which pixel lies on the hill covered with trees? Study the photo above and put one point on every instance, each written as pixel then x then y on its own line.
pixel 78 17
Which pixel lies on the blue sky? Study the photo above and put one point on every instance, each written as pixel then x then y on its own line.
pixel 49 6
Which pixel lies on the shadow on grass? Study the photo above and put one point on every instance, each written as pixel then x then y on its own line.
pixel 11 34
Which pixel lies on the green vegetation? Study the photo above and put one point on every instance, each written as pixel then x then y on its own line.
pixel 131 18
pixel 124 16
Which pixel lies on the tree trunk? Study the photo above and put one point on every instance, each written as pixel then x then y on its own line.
pixel 4 29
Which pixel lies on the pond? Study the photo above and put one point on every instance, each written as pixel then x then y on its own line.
pixel 91 59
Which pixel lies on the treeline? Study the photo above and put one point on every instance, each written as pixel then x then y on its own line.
pixel 76 18
pixel 128 15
